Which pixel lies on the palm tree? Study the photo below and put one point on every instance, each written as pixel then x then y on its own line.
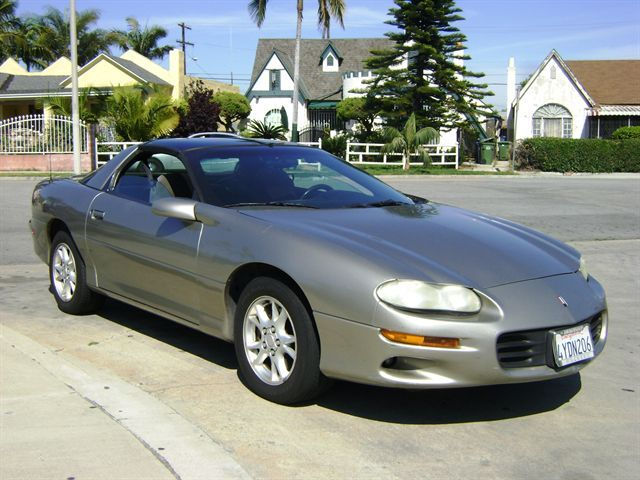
pixel 9 27
pixel 326 10
pixel 91 41
pixel 92 103
pixel 143 40
pixel 332 8
pixel 141 113
pixel 409 141
pixel 32 45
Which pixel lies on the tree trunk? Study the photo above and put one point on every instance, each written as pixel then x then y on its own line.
pixel 296 75
pixel 406 158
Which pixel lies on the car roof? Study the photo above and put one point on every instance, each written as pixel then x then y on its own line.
pixel 184 144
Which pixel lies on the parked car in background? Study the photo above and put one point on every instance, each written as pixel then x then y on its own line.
pixel 316 270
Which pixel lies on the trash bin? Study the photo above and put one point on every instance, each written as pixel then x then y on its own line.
pixel 487 152
pixel 503 151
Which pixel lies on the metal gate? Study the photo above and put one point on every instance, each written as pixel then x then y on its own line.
pixel 40 134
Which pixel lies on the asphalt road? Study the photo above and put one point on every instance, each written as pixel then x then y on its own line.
pixel 583 427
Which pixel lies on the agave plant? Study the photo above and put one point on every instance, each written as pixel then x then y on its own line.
pixel 141 113
pixel 409 141
pixel 257 129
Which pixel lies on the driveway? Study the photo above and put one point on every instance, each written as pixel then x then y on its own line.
pixel 582 427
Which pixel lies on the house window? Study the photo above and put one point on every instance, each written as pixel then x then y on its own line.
pixel 274 79
pixel 553 73
pixel 329 60
pixel 274 117
pixel 552 120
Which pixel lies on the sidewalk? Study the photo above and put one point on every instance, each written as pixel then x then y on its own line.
pixel 67 420
pixel 47 430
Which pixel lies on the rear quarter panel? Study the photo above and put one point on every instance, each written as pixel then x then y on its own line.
pixel 65 200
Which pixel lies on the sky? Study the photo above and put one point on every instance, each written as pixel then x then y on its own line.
pixel 225 38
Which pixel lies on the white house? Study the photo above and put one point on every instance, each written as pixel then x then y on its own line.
pixel 330 70
pixel 574 98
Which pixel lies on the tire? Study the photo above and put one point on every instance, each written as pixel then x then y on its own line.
pixel 277 375
pixel 65 264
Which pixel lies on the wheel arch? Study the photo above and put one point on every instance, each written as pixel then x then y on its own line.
pixel 241 277
pixel 54 226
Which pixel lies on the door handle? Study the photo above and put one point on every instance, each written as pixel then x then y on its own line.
pixel 97 214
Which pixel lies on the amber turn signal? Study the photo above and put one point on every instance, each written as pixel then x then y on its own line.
pixel 421 340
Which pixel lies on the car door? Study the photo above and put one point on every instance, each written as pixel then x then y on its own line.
pixel 137 254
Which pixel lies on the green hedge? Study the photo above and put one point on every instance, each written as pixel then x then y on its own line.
pixel 578 155
pixel 626 132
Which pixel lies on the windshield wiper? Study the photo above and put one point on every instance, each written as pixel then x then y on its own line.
pixel 268 204
pixel 383 203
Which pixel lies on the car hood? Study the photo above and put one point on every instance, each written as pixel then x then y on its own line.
pixel 446 243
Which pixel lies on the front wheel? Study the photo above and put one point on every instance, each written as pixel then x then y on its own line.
pixel 68 278
pixel 276 344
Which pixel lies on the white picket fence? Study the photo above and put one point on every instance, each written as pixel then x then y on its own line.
pixel 371 154
pixel 105 151
pixel 40 134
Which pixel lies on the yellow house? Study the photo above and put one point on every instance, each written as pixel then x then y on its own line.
pixel 23 92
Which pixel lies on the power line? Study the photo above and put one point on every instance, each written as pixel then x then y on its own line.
pixel 184 43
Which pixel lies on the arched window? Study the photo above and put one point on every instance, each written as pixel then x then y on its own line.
pixel 329 60
pixel 552 120
pixel 277 116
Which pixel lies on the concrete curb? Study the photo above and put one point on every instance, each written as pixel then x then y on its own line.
pixel 183 448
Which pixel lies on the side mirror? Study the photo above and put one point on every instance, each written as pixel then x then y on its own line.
pixel 181 208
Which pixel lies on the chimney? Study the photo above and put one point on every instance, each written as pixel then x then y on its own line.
pixel 176 70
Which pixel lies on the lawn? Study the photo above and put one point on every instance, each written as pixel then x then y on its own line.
pixel 421 170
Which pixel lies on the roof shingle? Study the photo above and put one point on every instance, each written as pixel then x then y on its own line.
pixel 609 82
pixel 316 84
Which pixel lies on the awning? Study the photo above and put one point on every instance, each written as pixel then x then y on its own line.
pixel 324 105
pixel 615 110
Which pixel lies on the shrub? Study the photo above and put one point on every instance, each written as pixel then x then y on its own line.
pixel 199 113
pixel 578 155
pixel 257 129
pixel 335 145
pixel 623 133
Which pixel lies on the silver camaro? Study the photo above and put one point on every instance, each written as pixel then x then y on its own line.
pixel 316 270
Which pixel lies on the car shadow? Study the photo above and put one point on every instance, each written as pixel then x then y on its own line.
pixel 183 338
pixel 418 407
pixel 453 405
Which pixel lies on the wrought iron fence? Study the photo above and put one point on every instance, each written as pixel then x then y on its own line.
pixel 40 134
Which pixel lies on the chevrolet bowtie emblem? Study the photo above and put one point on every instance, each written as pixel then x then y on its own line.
pixel 563 301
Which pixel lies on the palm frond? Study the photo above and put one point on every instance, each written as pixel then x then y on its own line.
pixel 258 11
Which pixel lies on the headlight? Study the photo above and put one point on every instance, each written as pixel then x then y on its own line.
pixel 583 268
pixel 416 295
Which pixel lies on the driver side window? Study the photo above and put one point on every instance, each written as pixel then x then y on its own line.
pixel 149 177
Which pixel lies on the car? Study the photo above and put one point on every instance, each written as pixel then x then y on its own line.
pixel 316 270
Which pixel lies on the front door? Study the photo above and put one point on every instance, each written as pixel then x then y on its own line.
pixel 140 255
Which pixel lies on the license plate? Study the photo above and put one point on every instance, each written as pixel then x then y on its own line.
pixel 572 345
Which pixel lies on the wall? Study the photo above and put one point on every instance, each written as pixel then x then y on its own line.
pixel 262 83
pixel 260 107
pixel 60 162
pixel 355 80
pixel 544 90
pixel 104 74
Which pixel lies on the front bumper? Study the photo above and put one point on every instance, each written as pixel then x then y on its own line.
pixel 358 352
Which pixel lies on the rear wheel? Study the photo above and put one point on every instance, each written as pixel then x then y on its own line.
pixel 68 278
pixel 276 345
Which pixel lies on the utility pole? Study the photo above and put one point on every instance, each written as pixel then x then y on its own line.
pixel 75 108
pixel 184 43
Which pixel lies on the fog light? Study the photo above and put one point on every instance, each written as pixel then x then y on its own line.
pixel 421 340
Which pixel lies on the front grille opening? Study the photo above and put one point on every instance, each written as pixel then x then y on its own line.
pixel 522 349
pixel 532 348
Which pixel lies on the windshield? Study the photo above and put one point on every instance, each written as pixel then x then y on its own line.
pixel 285 176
